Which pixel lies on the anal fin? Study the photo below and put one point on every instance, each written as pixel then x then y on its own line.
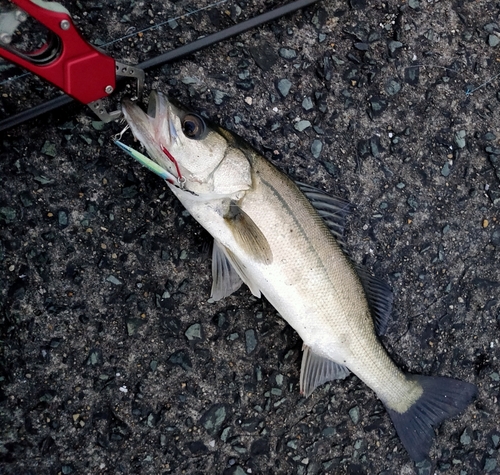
pixel 316 370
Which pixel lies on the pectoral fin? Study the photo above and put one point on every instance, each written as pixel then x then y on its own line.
pixel 228 274
pixel 225 278
pixel 247 234
pixel 316 370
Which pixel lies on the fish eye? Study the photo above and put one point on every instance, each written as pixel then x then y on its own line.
pixel 193 127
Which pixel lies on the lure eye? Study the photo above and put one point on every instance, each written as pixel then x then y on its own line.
pixel 193 127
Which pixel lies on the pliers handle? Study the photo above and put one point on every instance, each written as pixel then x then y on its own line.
pixel 66 59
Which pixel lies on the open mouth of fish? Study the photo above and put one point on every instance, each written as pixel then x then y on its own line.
pixel 155 129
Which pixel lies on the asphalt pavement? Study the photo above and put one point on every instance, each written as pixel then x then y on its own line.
pixel 113 359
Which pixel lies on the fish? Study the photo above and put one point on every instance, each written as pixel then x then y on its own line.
pixel 284 240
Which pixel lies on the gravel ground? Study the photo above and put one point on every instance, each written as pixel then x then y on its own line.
pixel 113 359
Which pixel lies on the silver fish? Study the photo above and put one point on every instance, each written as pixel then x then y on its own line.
pixel 284 240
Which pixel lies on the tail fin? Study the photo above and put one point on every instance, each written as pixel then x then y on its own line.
pixel 441 398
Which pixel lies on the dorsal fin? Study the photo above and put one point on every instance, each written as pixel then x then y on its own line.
pixel 333 209
pixel 379 296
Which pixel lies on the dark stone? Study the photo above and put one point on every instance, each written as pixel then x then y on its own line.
pixel 181 358
pixel 197 447
pixel 219 96
pixel 26 198
pixel 394 46
pixel 357 4
pixel 250 340
pixel 130 192
pixel 246 85
pixel 234 470
pixel 493 150
pixel 361 46
pixel 363 148
pixel 62 218
pixel 7 214
pixel 495 237
pixel 264 55
pixel 392 87
pixel 251 425
pixel 325 70
pixel 133 324
pixel 377 106
pixel 94 358
pixel 375 147
pixel 412 75
pixel 260 447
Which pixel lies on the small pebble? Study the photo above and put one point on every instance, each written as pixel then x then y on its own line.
pixel 412 75
pixel 493 40
pixel 302 125
pixel 283 86
pixel 250 340
pixel 392 87
pixel 62 218
pixel 354 414
pixel 219 96
pixel 445 171
pixel 98 125
pixel 49 149
pixel 495 238
pixel 394 46
pixel 460 138
pixel 424 467
pixel 316 148
pixel 213 419
pixel 113 280
pixel 307 104
pixel 361 46
pixel 193 332
pixel 287 53
pixel 490 464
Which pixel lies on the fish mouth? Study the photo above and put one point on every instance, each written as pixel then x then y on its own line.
pixel 156 131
